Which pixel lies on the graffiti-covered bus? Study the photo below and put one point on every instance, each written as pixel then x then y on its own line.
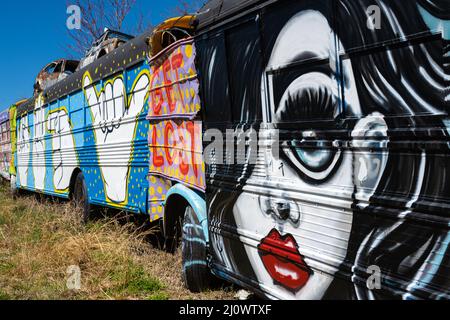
pixel 5 145
pixel 346 194
pixel 123 132
pixel 86 137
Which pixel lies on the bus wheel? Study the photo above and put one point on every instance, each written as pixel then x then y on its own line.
pixel 196 274
pixel 80 197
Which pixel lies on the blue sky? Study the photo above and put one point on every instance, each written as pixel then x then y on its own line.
pixel 33 33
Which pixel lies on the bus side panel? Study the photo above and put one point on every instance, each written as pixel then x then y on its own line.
pixel 5 144
pixel 115 155
pixel 24 130
pixel 174 136
pixel 101 131
pixel 13 135
pixel 348 196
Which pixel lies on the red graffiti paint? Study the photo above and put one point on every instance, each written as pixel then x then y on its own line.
pixel 177 145
pixel 175 140
pixel 167 131
pixel 158 160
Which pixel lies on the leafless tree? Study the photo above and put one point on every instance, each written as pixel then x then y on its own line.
pixel 188 7
pixel 98 14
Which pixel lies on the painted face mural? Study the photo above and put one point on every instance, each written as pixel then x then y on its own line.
pixel 114 119
pixel 345 191
pixel 308 168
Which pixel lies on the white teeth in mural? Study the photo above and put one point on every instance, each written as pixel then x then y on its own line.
pixel 114 119
pixel 38 145
pixel 23 151
pixel 63 146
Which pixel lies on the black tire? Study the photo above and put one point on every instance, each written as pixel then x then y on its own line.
pixel 81 199
pixel 172 243
pixel 197 276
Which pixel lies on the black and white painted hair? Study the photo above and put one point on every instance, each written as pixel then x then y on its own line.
pixel 410 246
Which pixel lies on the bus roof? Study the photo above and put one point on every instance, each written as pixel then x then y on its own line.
pixel 216 11
pixel 127 55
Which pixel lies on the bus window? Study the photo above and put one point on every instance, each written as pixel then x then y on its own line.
pixel 94 106
pixel 245 65
pixel 64 119
pixel 118 104
pixel 108 104
pixel 8 133
pixel 39 123
pixel 214 85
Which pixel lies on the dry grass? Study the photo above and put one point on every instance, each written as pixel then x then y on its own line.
pixel 40 240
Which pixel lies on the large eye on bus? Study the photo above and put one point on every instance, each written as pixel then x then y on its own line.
pixel 306 98
pixel 313 159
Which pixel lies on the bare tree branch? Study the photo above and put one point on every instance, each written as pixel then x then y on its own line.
pixel 98 14
pixel 185 7
pixel 95 16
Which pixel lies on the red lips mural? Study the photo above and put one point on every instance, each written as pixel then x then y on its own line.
pixel 283 261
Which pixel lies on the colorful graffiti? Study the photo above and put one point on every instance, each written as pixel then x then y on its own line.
pixel 174 136
pixel 114 112
pixel 46 155
pixel 23 151
pixel 13 127
pixel 362 153
pixel 38 147
pixel 5 145
pixel 176 152
pixel 174 84
pixel 99 130
pixel 62 146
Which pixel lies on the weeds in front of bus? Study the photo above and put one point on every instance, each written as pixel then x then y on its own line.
pixel 40 240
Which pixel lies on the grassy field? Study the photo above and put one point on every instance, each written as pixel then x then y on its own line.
pixel 39 240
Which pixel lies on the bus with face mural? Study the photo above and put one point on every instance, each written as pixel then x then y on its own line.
pixel 347 196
